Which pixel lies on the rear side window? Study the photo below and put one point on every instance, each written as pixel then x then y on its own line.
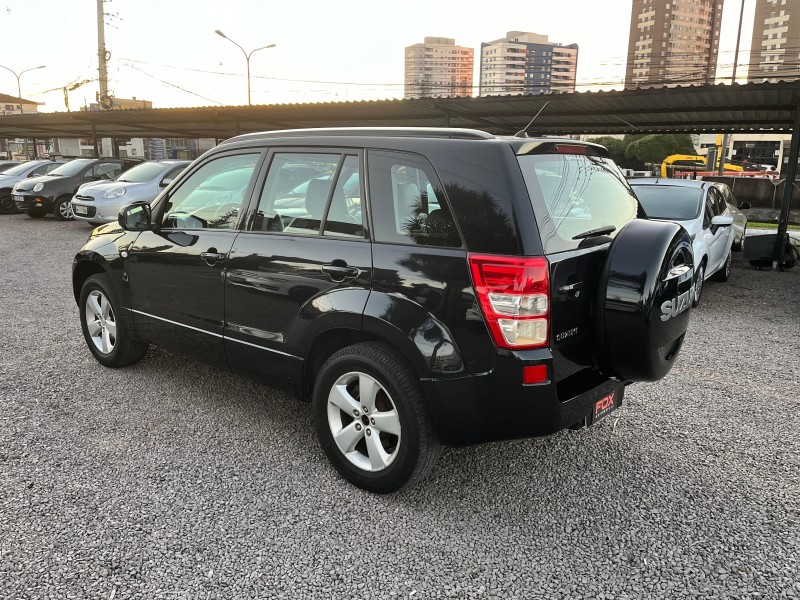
pixel 573 194
pixel 408 202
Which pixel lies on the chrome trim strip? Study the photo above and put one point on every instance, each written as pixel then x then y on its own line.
pixel 176 323
pixel 215 334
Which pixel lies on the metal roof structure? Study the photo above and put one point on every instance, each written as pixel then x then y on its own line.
pixel 693 109
pixel 757 107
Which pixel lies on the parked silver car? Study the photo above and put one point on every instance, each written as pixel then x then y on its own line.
pixel 13 175
pixel 99 201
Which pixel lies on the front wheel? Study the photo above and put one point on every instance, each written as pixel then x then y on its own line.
pixel 7 205
pixel 103 329
pixel 371 420
pixel 725 271
pixel 62 209
pixel 699 278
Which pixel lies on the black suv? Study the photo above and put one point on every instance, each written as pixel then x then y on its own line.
pixel 420 287
pixel 53 192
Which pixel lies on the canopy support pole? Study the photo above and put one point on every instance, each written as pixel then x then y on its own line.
pixel 788 189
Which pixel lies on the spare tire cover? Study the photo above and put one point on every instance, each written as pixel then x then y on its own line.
pixel 644 300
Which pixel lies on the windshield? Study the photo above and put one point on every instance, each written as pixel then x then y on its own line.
pixel 670 202
pixel 19 169
pixel 72 168
pixel 143 172
pixel 574 195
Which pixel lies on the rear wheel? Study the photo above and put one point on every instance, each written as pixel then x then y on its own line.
pixel 62 209
pixel 371 419
pixel 7 205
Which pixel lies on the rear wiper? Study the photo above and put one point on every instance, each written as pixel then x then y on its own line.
pixel 595 232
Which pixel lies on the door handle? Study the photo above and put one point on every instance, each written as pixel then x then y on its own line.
pixel 339 271
pixel 212 255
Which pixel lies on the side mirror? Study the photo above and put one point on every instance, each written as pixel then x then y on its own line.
pixel 721 221
pixel 165 182
pixel 137 216
pixel 744 205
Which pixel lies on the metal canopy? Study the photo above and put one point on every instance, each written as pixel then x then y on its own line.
pixel 694 109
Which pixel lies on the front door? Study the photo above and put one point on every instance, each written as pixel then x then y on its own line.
pixel 176 273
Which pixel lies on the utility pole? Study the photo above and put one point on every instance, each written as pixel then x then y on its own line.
pixel 725 137
pixel 102 57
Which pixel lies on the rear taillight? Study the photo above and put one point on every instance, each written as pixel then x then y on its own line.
pixel 514 294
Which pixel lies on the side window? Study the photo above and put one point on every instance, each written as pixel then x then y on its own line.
pixel 103 171
pixel 709 210
pixel 717 201
pixel 212 196
pixel 41 170
pixel 345 217
pixel 52 166
pixel 408 203
pixel 296 192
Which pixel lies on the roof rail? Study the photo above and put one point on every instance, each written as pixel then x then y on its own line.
pixel 431 132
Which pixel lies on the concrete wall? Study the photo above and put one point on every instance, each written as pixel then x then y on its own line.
pixel 764 195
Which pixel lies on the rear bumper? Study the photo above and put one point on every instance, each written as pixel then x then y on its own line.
pixel 498 406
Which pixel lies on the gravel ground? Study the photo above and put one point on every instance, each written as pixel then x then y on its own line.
pixel 170 479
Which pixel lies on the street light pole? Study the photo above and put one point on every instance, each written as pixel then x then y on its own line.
pixel 246 57
pixel 19 89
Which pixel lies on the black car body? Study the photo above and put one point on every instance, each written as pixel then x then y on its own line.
pixel 53 192
pixel 12 175
pixel 509 281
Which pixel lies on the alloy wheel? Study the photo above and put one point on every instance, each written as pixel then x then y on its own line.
pixel 100 322
pixel 364 421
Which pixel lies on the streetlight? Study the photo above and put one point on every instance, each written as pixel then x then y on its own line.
pixel 246 57
pixel 19 91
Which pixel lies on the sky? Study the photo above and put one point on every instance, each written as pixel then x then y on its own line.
pixel 166 51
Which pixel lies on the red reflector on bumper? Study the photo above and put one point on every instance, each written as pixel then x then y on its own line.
pixel 534 374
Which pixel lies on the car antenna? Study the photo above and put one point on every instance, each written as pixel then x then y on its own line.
pixel 523 133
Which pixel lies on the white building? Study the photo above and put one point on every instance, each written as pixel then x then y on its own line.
pixel 438 67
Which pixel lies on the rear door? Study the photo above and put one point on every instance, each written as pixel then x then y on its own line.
pixel 303 265
pixel 580 202
pixel 718 238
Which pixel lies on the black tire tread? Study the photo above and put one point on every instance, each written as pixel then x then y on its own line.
pixel 407 386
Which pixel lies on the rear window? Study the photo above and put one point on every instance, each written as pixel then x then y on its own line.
pixel 575 194
pixel 670 202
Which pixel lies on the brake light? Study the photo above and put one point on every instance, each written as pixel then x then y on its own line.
pixel 514 295
pixel 570 149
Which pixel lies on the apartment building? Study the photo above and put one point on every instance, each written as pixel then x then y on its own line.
pixel 437 67
pixel 526 63
pixel 673 42
pixel 775 47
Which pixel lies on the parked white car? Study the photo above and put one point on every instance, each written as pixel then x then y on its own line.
pixel 701 208
pixel 99 201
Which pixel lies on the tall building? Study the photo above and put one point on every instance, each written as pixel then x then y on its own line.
pixel 673 42
pixel 527 63
pixel 775 48
pixel 438 67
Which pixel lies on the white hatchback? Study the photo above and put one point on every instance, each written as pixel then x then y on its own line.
pixel 701 208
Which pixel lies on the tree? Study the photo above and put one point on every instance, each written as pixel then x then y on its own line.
pixel 653 149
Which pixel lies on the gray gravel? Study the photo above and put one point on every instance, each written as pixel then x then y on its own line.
pixel 170 479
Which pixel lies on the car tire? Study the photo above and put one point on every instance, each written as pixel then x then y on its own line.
pixel 644 299
pixel 35 214
pixel 389 445
pixel 7 205
pixel 103 327
pixel 699 282
pixel 62 209
pixel 725 271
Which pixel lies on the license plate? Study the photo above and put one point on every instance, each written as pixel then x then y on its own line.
pixel 79 210
pixel 604 406
pixel 17 198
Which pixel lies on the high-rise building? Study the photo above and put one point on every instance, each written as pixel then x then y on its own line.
pixel 527 63
pixel 775 48
pixel 438 67
pixel 673 42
